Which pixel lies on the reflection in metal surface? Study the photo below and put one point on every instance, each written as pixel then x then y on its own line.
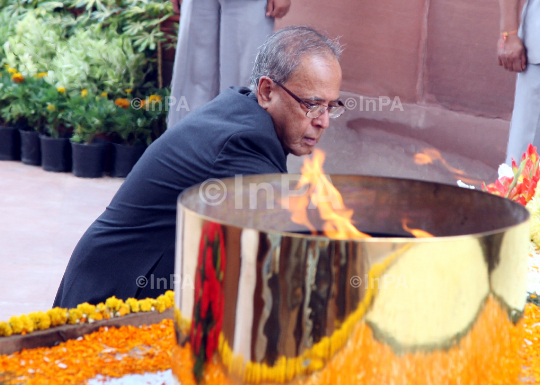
pixel 292 301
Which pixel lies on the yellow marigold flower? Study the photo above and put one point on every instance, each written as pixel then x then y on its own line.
pixel 122 102
pixel 129 90
pixel 163 303
pixel 133 305
pixel 124 310
pixel 155 98
pixel 104 94
pixel 41 320
pixel 28 324
pixel 17 78
pixel 5 329
pixel 146 304
pixel 42 74
pixel 61 90
pixel 74 316
pixel 97 316
pixel 170 294
pixel 12 70
pixel 102 308
pixel 16 324
pixel 114 303
pixel 160 306
pixel 84 92
pixel 50 107
pixel 58 316
pixel 87 309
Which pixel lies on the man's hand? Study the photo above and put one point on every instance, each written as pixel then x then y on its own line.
pixel 277 8
pixel 512 54
pixel 176 5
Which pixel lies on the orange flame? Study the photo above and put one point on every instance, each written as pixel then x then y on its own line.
pixel 416 232
pixel 428 155
pixel 322 193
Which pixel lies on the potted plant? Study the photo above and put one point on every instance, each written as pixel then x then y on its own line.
pixel 8 135
pixel 54 140
pixel 30 103
pixel 30 48
pixel 135 126
pixel 10 113
pixel 90 116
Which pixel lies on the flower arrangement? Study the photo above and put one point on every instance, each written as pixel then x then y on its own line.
pixel 84 313
pixel 520 185
pixel 109 352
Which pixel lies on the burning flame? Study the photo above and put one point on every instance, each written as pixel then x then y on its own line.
pixel 416 232
pixel 322 193
pixel 428 155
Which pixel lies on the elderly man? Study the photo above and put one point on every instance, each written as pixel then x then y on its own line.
pixel 294 92
pixel 519 51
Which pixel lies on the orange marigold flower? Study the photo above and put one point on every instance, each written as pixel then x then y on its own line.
pixel 122 102
pixel 17 78
pixel 155 98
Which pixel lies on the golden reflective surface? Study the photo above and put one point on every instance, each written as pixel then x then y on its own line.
pixel 286 303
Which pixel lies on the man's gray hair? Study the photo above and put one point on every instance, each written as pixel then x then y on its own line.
pixel 281 53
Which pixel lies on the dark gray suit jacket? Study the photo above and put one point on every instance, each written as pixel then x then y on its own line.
pixel 135 236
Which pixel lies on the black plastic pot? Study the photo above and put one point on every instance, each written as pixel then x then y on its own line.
pixel 89 159
pixel 10 143
pixel 124 158
pixel 30 147
pixel 55 154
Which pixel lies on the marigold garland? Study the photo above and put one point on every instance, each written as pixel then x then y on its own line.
pixel 148 349
pixel 84 313
pixel 111 352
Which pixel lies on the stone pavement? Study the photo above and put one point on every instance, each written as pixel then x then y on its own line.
pixel 42 217
pixel 43 214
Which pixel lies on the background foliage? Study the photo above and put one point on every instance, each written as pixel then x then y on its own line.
pixel 66 63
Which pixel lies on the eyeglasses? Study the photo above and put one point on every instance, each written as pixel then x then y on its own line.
pixel 316 110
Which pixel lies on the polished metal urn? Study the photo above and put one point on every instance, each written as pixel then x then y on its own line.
pixel 262 299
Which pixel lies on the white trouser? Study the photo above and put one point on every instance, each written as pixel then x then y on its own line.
pixel 525 126
pixel 217 44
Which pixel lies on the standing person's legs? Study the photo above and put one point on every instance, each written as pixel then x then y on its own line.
pixel 244 28
pixel 525 126
pixel 196 65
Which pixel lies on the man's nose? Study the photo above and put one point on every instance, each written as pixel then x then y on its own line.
pixel 322 121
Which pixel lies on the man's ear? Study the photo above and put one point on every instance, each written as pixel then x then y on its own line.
pixel 264 91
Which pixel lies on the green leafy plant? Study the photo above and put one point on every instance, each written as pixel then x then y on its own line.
pixel 19 99
pixel 91 117
pixel 143 121
pixel 33 46
pixel 100 61
pixel 56 106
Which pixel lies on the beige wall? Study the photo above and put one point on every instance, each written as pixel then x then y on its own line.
pixel 434 52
